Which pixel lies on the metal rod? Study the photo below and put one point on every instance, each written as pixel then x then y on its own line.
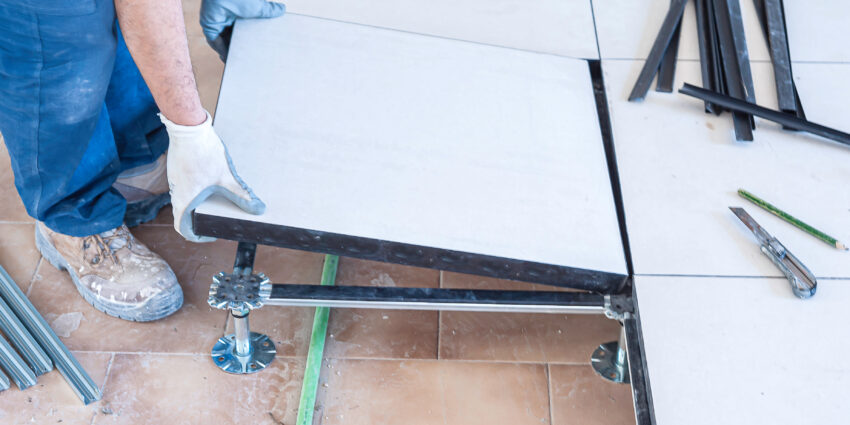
pixel 436 299
pixel 736 25
pixel 4 382
pixel 706 46
pixel 731 68
pixel 776 116
pixel 242 333
pixel 23 341
pixel 621 361
pixel 74 374
pixel 15 366
pixel 667 70
pixel 653 61
pixel 244 263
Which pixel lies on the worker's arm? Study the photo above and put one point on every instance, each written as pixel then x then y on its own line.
pixel 156 37
pixel 198 165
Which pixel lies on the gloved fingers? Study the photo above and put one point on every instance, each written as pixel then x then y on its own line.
pixel 221 45
pixel 270 9
pixel 240 194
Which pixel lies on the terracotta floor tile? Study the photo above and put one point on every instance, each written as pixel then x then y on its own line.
pixel 521 337
pixel 432 392
pixel 11 209
pixel 579 396
pixel 179 389
pixel 18 254
pixel 383 333
pixel 51 400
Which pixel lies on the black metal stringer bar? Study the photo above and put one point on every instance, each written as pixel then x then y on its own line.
pixel 779 117
pixel 653 61
pixel 667 71
pixel 732 70
pixel 436 299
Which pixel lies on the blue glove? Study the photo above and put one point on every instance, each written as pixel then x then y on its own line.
pixel 218 16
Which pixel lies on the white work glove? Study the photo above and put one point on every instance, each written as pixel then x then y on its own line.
pixel 199 167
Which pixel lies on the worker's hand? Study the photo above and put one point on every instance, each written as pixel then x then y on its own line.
pixel 199 167
pixel 218 16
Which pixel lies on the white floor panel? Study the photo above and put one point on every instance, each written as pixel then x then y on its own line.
pixel 681 168
pixel 375 133
pixel 550 26
pixel 745 351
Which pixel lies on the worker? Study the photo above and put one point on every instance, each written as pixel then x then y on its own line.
pixel 101 116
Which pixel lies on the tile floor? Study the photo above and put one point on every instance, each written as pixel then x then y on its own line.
pixel 381 367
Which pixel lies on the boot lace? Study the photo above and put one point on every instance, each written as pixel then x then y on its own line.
pixel 105 244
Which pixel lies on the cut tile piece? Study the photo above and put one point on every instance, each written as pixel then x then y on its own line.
pixel 370 392
pixel 523 337
pixel 51 400
pixel 549 26
pixel 18 254
pixel 580 396
pixel 11 209
pixel 167 389
pixel 383 333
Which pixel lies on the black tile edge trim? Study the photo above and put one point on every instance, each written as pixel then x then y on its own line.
pixel 406 254
pixel 605 128
pixel 638 370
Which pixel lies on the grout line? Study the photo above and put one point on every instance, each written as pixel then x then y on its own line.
pixel 103 387
pixel 108 371
pixel 34 274
pixel 16 222
pixel 595 31
pixel 549 387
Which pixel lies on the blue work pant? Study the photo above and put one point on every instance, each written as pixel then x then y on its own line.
pixel 74 111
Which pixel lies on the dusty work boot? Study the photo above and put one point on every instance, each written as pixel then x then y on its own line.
pixel 114 272
pixel 146 190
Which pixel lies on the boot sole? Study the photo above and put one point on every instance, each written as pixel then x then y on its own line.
pixel 149 311
pixel 145 210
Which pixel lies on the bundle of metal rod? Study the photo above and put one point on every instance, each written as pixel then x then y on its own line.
pixel 724 59
pixel 37 343
pixel 787 120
